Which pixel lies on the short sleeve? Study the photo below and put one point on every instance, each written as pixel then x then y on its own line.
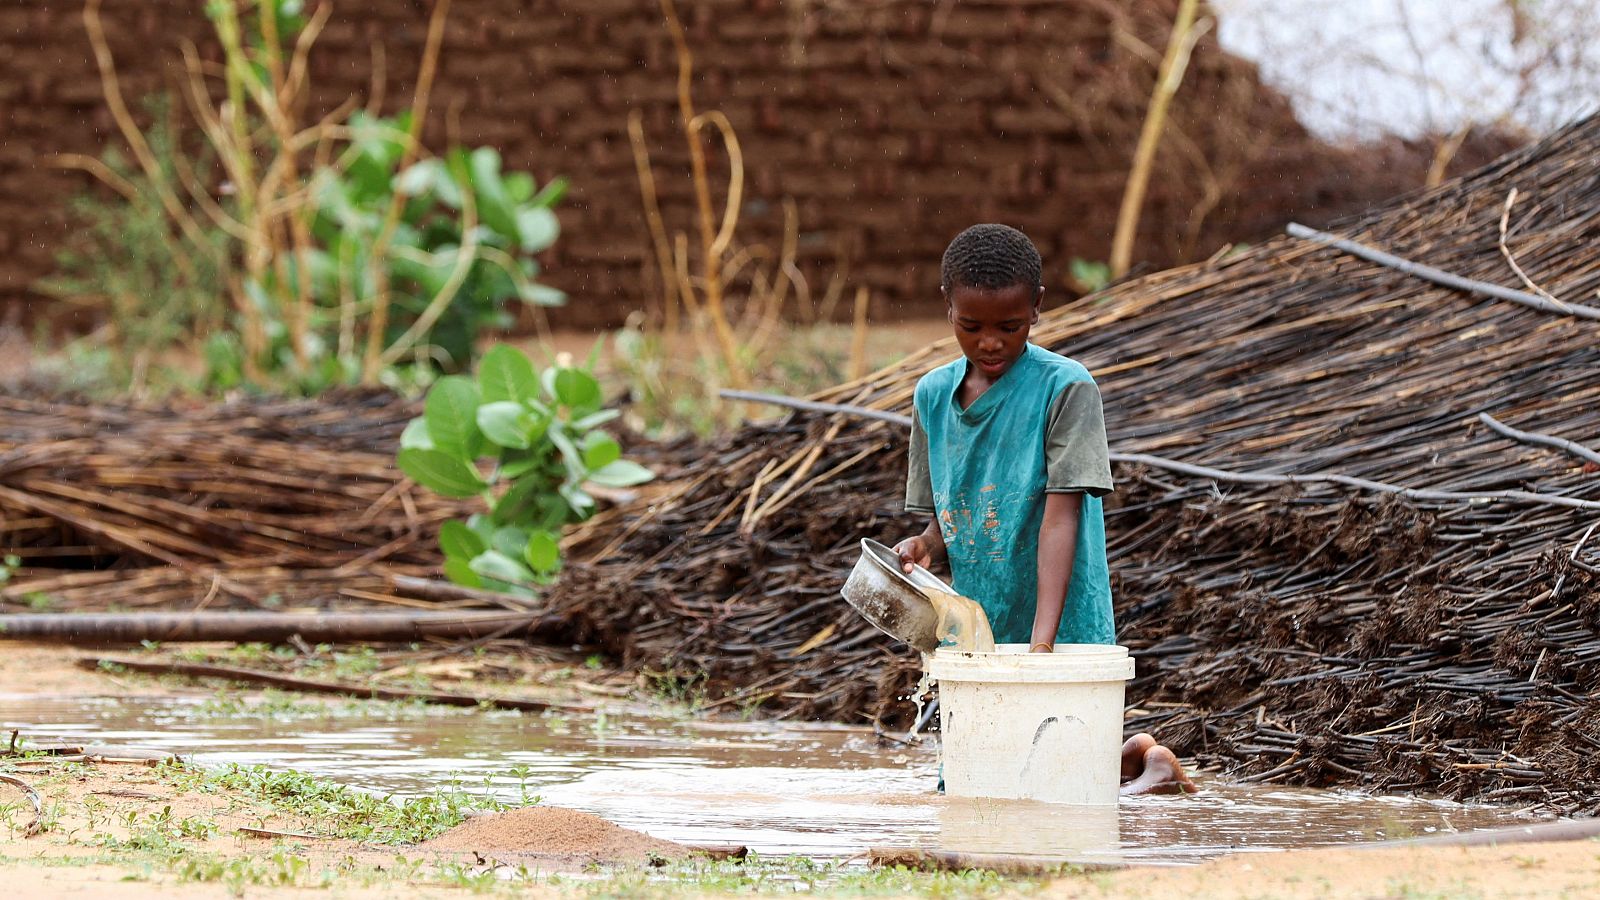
pixel 919 483
pixel 1076 455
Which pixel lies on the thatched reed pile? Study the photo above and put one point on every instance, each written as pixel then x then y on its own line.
pixel 1311 633
pixel 253 503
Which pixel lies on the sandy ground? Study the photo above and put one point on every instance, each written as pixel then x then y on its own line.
pixel 62 861
pixel 28 668
pixel 1570 869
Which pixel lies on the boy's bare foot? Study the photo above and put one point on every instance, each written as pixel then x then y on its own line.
pixel 1133 752
pixel 1162 774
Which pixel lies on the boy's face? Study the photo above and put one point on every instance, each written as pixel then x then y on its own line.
pixel 992 324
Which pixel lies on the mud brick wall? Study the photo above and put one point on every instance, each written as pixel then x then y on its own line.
pixel 891 124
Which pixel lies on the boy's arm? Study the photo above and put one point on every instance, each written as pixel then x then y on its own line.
pixel 924 550
pixel 1076 463
pixel 1058 545
pixel 928 547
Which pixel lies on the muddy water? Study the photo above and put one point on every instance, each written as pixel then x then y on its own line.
pixel 818 791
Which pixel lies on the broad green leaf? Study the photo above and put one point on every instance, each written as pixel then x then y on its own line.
pixel 600 450
pixel 538 228
pixel 551 512
pixel 452 414
pixel 324 271
pixel 457 540
pixel 577 389
pixel 578 500
pixel 441 472
pixel 459 570
pixel 377 147
pixel 415 436
pixel 419 178
pixel 506 422
pixel 621 473
pixel 519 186
pixel 541 424
pixel 510 539
pixel 541 295
pixel 482 526
pixel 569 452
pixel 1091 276
pixel 494 204
pixel 519 500
pixel 224 360
pixel 552 192
pixel 517 464
pixel 506 373
pixel 494 564
pixel 543 551
pixel 430 272
pixel 595 420
pixel 444 185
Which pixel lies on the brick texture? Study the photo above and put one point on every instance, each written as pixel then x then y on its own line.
pixel 892 124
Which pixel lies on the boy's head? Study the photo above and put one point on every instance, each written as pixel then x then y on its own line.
pixel 992 290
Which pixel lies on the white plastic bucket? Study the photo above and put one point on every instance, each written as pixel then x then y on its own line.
pixel 1033 726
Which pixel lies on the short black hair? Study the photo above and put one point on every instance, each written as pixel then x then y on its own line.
pixel 991 257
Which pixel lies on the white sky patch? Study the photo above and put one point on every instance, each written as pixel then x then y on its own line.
pixel 1363 68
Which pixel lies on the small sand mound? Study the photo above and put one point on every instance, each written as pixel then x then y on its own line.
pixel 551 831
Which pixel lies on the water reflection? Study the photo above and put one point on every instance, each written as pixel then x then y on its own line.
pixel 779 789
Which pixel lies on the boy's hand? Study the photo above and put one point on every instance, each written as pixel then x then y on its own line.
pixel 914 551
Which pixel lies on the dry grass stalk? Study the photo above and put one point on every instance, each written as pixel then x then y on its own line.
pixel 658 228
pixel 378 320
pixel 713 240
pixel 858 334
pixel 1185 32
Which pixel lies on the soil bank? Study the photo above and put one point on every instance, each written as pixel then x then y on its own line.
pixel 552 832
pixel 1570 869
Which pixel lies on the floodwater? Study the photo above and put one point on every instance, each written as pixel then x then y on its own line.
pixel 780 789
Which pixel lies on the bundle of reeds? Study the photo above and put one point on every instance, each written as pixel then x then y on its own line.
pixel 246 503
pixel 1426 619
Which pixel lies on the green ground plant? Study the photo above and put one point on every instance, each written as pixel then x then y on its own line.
pixel 296 256
pixel 154 287
pixel 1088 276
pixel 795 875
pixel 337 809
pixel 543 433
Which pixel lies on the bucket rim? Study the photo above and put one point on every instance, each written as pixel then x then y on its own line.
pixel 1012 662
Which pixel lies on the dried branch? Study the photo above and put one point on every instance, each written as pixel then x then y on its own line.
pixel 1542 440
pixel 1439 276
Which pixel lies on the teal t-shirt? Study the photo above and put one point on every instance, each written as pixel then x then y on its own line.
pixel 984 471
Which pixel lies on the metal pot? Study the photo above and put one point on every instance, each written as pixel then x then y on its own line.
pixel 893 601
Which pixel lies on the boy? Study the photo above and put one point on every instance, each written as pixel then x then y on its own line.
pixel 1008 457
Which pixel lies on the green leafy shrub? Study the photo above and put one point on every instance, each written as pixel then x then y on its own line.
pixel 298 255
pixel 1089 275
pixel 124 259
pixel 543 432
pixel 457 281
